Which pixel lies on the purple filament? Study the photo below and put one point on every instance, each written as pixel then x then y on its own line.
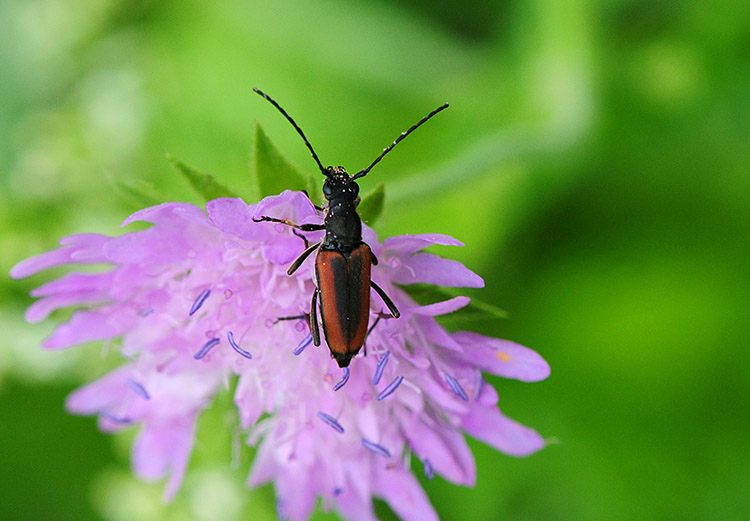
pixel 138 388
pixel 456 387
pixel 391 387
pixel 116 419
pixel 206 348
pixel 302 345
pixel 377 449
pixel 428 471
pixel 236 346
pixel 478 384
pixel 199 301
pixel 330 420
pixel 343 380
pixel 380 368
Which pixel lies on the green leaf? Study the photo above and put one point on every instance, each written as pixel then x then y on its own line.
pixel 205 185
pixel 476 310
pixel 272 172
pixel 371 205
pixel 138 192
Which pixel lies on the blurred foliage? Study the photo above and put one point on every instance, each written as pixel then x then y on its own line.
pixel 594 160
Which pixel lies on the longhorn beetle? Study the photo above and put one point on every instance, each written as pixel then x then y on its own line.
pixel 343 260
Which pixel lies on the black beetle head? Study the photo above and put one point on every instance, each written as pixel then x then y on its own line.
pixel 339 186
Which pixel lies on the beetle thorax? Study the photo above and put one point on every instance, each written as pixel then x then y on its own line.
pixel 343 225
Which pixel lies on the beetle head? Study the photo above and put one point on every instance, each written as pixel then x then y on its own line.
pixel 338 186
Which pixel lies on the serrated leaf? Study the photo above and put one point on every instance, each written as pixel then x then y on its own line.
pixel 371 205
pixel 273 173
pixel 205 185
pixel 138 192
pixel 476 309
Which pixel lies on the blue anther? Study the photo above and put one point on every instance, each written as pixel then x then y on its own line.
pixel 377 449
pixel 116 419
pixel 199 301
pixel 330 420
pixel 391 387
pixel 302 345
pixel 343 380
pixel 456 387
pixel 138 388
pixel 428 471
pixel 380 368
pixel 236 347
pixel 206 348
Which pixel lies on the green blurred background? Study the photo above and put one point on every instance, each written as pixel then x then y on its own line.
pixel 594 160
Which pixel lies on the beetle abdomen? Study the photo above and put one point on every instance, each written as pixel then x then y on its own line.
pixel 344 284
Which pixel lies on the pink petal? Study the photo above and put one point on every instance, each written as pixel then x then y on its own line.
pixel 100 394
pixel 72 245
pixel 295 493
pixel 287 205
pixel 162 449
pixel 249 399
pixel 427 268
pixel 151 246
pixel 73 282
pixel 406 244
pixel 72 289
pixel 168 213
pixel 85 326
pixel 489 425
pixel 441 308
pixel 403 493
pixel 351 506
pixel 445 448
pixel 437 334
pixel 502 357
pixel 232 216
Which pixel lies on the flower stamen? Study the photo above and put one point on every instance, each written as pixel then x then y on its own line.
pixel 456 387
pixel 199 301
pixel 236 347
pixel 377 449
pixel 206 348
pixel 428 470
pixel 116 419
pixel 391 387
pixel 138 388
pixel 380 368
pixel 302 345
pixel 343 380
pixel 330 420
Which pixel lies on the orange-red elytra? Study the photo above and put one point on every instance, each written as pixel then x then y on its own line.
pixel 343 261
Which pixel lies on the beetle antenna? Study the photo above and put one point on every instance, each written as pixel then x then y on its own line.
pixel 364 172
pixel 299 130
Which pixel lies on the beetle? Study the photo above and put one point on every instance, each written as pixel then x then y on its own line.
pixel 343 260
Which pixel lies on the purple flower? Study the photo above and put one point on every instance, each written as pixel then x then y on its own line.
pixel 194 300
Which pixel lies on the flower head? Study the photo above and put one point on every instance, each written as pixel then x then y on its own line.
pixel 195 300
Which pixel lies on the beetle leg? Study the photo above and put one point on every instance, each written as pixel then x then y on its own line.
pixel 386 299
pixel 307 243
pixel 373 258
pixel 377 319
pixel 372 327
pixel 306 316
pixel 305 254
pixel 303 227
pixel 313 319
